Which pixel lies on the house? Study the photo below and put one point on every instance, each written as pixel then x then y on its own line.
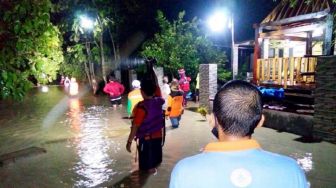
pixel 288 41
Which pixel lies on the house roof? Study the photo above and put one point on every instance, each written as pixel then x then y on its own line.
pixel 285 10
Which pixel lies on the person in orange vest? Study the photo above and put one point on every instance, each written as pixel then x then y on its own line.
pixel 134 97
pixel 175 104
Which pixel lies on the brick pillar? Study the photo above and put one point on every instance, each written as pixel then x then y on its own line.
pixel 208 84
pixel 325 99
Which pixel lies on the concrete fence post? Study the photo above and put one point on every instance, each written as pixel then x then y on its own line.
pixel 208 84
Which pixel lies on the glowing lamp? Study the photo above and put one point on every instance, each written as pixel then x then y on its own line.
pixel 86 22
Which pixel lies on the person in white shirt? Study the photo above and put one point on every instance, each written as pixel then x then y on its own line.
pixel 165 90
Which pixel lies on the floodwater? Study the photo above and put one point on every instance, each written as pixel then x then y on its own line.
pixel 85 140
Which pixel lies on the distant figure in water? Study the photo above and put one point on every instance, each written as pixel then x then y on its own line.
pixel 62 80
pixel 134 97
pixel 114 89
pixel 73 90
pixel 66 82
pixel 237 160
pixel 94 86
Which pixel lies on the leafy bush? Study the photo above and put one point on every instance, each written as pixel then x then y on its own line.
pixel 203 111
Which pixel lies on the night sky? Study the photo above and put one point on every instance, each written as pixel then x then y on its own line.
pixel 246 12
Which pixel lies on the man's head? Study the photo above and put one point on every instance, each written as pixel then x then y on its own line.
pixel 174 85
pixel 148 88
pixel 165 80
pixel 181 73
pixel 238 108
pixel 112 78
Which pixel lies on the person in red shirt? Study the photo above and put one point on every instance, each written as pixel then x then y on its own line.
pixel 114 89
pixel 184 85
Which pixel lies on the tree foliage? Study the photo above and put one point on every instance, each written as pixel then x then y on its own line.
pixel 87 49
pixel 32 47
pixel 74 59
pixel 181 44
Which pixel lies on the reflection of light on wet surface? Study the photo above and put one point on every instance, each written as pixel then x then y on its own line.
pixel 305 161
pixel 92 147
pixel 74 114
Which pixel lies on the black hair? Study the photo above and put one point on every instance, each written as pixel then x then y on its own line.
pixel 148 86
pixel 238 108
pixel 112 78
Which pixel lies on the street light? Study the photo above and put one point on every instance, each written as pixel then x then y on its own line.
pixel 217 22
pixel 86 22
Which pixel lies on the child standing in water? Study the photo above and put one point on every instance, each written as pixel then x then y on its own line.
pixel 66 84
pixel 175 104
pixel 148 124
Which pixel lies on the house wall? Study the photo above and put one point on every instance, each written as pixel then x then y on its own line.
pixel 285 48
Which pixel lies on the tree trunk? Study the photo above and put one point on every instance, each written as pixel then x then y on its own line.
pixel 90 69
pixel 101 46
pixel 102 58
pixel 113 45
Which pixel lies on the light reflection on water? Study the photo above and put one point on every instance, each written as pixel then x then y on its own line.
pixel 305 161
pixel 93 166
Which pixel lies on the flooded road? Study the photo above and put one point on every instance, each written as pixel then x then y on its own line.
pixel 85 140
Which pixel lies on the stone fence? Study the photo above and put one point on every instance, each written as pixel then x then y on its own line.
pixel 325 99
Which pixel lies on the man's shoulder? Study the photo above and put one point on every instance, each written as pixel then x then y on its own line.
pixel 140 105
pixel 158 100
pixel 191 162
pixel 256 162
pixel 270 160
pixel 278 157
pixel 133 92
pixel 278 161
